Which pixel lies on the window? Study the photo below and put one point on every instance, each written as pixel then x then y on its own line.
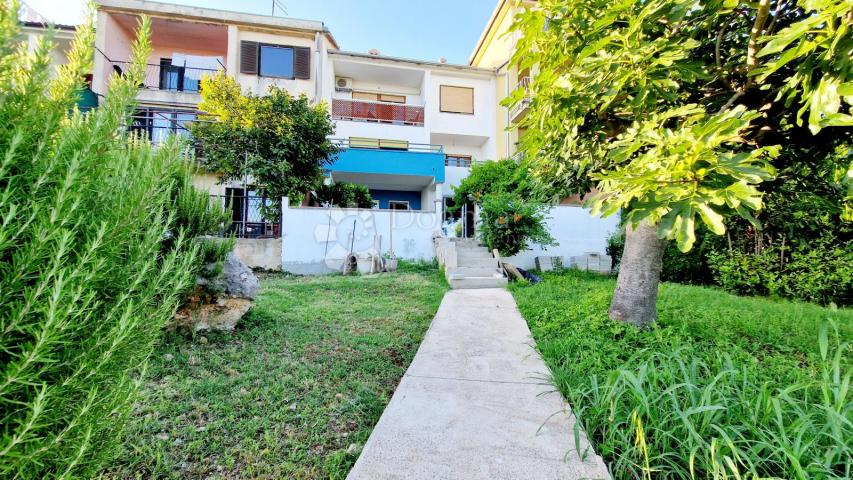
pixel 276 61
pixel 159 124
pixel 171 77
pixel 378 97
pixel 280 61
pixel 451 160
pixel 456 99
pixel 398 205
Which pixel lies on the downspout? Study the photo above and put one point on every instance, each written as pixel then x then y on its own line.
pixel 506 94
pixel 318 68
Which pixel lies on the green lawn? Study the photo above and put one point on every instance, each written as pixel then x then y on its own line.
pixel 293 393
pixel 723 385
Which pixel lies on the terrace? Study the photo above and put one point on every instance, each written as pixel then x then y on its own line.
pixel 182 53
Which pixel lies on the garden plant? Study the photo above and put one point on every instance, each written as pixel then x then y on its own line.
pixel 99 240
pixel 680 114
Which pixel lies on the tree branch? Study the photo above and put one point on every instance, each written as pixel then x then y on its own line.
pixel 757 29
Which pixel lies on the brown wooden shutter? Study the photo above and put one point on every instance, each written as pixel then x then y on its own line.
pixel 249 57
pixel 302 62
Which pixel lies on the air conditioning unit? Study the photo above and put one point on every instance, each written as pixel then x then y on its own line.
pixel 343 84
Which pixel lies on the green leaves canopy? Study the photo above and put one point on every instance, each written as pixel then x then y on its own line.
pixel 278 140
pixel 664 105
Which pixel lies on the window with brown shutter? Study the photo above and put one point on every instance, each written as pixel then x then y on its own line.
pixel 281 61
pixel 249 57
pixel 456 99
pixel 302 62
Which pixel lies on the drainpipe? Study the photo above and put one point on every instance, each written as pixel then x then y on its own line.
pixel 318 68
pixel 506 86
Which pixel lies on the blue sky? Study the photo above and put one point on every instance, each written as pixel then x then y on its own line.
pixel 422 29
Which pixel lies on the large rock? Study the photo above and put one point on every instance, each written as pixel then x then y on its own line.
pixel 220 302
pixel 236 280
pixel 222 315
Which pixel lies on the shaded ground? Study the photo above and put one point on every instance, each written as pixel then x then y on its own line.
pixel 294 393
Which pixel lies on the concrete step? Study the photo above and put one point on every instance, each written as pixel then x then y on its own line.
pixel 481 262
pixel 472 271
pixel 477 282
pixel 473 254
pixel 470 245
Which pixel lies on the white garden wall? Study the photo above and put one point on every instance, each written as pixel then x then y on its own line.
pixel 577 233
pixel 317 240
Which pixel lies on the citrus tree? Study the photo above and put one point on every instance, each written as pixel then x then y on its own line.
pixel 278 140
pixel 676 110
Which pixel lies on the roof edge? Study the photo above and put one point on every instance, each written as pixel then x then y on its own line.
pixel 486 31
pixel 429 63
pixel 218 15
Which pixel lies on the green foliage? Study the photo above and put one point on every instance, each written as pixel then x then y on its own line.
pixel 278 140
pixel 511 223
pixel 97 246
pixel 670 179
pixel 494 176
pixel 821 274
pixel 512 214
pixel 251 404
pixel 343 194
pixel 819 46
pixel 723 386
pixel 667 105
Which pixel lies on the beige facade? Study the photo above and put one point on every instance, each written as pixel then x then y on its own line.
pixel 494 50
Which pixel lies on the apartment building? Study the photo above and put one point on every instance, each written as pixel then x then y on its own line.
pixel 494 51
pixel 410 129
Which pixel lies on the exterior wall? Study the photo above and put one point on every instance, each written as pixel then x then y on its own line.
pixel 494 51
pixel 258 84
pixel 577 233
pixel 259 252
pixel 59 54
pixel 410 133
pixel 431 198
pixel 384 197
pixel 114 41
pixel 208 182
pixel 317 240
pixel 453 176
pixel 477 125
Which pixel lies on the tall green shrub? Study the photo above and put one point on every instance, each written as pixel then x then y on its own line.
pixel 343 194
pixel 511 224
pixel 97 244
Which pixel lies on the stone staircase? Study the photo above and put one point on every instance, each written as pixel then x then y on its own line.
pixel 473 266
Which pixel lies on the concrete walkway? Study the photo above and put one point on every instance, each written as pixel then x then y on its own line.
pixel 476 404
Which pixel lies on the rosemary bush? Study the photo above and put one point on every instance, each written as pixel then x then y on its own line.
pixel 99 239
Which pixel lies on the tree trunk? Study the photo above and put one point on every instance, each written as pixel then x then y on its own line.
pixel 635 298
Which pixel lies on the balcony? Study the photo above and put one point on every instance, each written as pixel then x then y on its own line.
pixel 158 124
pixel 402 159
pixel 378 112
pixel 165 77
pixel 519 110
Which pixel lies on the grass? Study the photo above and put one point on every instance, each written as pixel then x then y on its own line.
pixel 722 387
pixel 293 393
